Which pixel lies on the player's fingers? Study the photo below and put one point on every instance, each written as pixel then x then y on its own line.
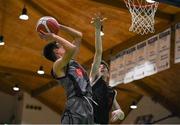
pixel 92 21
pixel 42 32
pixel 113 119
pixel 103 19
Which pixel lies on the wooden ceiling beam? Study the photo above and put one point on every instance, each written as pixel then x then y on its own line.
pixel 131 88
pixel 52 106
pixel 54 83
pixel 6 85
pixel 9 71
pixel 170 2
pixel 88 46
pixel 7 82
pixel 158 97
pixel 126 102
pixel 3 11
pixel 131 93
pixel 44 88
pixel 121 5
pixel 126 90
pixel 43 11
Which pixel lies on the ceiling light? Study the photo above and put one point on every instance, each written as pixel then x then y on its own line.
pixel 102 33
pixel 1 40
pixel 133 105
pixel 40 71
pixel 16 88
pixel 150 1
pixel 24 15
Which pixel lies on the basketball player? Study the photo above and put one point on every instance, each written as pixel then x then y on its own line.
pixel 103 94
pixel 70 75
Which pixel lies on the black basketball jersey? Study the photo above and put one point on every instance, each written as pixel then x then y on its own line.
pixel 75 81
pixel 104 96
pixel 78 90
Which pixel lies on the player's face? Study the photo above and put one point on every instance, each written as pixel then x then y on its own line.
pixel 59 52
pixel 103 70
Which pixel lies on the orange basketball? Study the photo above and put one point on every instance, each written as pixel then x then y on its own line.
pixel 47 24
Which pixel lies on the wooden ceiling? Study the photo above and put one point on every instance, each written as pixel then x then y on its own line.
pixel 21 55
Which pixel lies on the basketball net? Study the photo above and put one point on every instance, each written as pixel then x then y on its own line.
pixel 142 14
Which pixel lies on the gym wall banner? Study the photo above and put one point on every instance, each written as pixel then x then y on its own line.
pixel 143 59
pixel 130 64
pixel 177 43
pixel 118 65
pixel 140 59
pixel 151 52
pixel 113 71
pixel 164 50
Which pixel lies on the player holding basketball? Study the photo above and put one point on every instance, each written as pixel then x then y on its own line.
pixel 104 95
pixel 70 75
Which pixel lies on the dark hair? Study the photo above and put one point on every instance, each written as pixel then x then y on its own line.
pixel 48 51
pixel 105 63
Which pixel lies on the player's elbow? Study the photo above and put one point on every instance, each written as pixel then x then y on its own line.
pixel 73 49
pixel 78 35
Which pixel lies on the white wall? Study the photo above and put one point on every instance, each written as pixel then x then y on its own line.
pixel 7 107
pixel 19 107
pixel 32 116
pixel 145 107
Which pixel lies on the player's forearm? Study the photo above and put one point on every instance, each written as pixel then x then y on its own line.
pixel 97 55
pixel 71 31
pixel 66 44
pixel 98 42
pixel 115 105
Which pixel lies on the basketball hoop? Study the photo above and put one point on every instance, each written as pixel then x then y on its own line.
pixel 142 14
